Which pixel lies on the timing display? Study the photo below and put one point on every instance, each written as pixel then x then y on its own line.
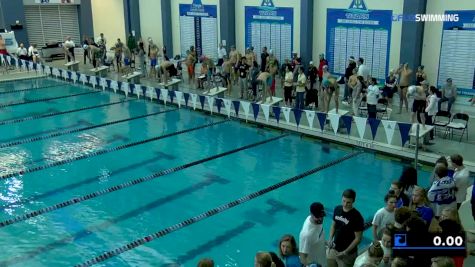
pixel 410 244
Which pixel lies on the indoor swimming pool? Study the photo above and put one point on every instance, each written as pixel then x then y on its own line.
pixel 84 172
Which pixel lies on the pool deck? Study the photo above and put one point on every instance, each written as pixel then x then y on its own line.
pixel 440 146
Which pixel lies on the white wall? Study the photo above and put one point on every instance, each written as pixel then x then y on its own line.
pixel 320 25
pixel 176 21
pixel 433 34
pixel 241 21
pixel 151 20
pixel 108 18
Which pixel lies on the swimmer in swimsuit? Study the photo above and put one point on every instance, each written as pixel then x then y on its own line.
pixel 164 67
pixel 266 80
pixel 153 60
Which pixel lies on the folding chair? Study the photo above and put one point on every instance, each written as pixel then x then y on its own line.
pixel 459 122
pixel 441 119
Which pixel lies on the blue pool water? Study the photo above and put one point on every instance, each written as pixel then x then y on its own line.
pixel 76 233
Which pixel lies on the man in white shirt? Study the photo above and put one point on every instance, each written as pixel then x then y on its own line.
pixel 312 237
pixel 461 177
pixel 372 98
pixel 21 52
pixel 363 70
pixel 69 47
pixel 221 53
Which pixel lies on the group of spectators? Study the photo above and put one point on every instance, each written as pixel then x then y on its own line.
pixel 408 208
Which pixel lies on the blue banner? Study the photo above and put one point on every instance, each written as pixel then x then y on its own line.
pixel 236 105
pixel 199 28
pixel 276 111
pixel 458 31
pixel 359 33
pixel 272 27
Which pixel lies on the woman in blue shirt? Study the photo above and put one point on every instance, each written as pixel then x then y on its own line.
pixel 289 252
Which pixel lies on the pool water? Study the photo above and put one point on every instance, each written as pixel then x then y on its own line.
pixel 76 233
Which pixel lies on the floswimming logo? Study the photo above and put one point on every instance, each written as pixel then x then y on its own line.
pixel 426 17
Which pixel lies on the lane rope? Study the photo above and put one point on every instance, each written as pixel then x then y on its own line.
pixel 131 183
pixel 105 151
pixel 138 242
pixel 60 133
pixel 41 116
pixel 29 89
pixel 46 99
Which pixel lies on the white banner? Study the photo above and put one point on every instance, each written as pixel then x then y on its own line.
pixel 265 109
pixel 65 75
pixel 360 126
pixel 83 78
pixel 138 90
pixel 227 106
pixel 164 95
pixel 179 98
pixel 93 81
pixel 389 128
pixel 55 72
pixel 194 97
pixel 245 106
pixel 74 76
pixel 114 86
pixel 210 103
pixel 334 121
pixel 150 92
pixel 286 112
pixel 103 83
pixel 125 88
pixel 310 117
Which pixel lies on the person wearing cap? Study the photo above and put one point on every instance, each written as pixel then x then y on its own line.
pixel 420 75
pixel 345 232
pixel 312 74
pixel 449 94
pixel 312 237
pixel 69 47
pixel 404 73
pixel 323 62
pixel 272 68
pixel 348 72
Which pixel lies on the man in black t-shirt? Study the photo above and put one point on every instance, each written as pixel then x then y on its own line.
pixel 243 70
pixel 264 57
pixel 345 233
